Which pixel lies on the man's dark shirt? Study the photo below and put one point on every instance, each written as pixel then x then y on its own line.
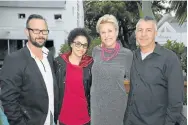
pixel 157 89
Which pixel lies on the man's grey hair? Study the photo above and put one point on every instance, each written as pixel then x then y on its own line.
pixel 147 18
pixel 35 16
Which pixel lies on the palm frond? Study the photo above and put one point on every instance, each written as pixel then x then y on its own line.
pixel 180 8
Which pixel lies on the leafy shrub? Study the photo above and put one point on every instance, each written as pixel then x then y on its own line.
pixel 184 62
pixel 64 48
pixel 185 99
pixel 94 43
pixel 179 49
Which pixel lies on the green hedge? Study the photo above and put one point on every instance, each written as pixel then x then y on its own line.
pixel 179 49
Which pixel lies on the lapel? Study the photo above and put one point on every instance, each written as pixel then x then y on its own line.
pixel 33 65
pixel 50 60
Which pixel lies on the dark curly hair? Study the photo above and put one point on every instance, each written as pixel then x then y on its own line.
pixel 78 32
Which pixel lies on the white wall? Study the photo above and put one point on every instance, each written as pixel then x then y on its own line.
pixel 167 32
pixel 162 37
pixel 13 28
pixel 71 10
pixel 70 20
pixel 9 16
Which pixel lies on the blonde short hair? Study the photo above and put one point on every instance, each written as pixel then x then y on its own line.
pixel 107 18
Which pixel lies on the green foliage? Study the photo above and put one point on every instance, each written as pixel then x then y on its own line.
pixel 184 62
pixel 94 43
pixel 179 49
pixel 158 7
pixel 176 47
pixel 185 99
pixel 180 8
pixel 65 47
pixel 125 13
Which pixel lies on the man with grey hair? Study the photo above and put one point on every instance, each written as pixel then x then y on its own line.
pixel 27 79
pixel 157 86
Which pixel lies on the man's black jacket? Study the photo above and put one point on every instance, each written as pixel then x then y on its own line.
pixel 23 91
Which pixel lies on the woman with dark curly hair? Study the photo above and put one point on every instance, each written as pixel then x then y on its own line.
pixel 74 80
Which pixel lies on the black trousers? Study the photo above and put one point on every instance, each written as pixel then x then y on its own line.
pixel 84 124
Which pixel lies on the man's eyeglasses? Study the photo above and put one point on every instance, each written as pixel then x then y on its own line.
pixel 37 31
pixel 78 44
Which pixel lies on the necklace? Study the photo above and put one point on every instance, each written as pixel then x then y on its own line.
pixel 113 52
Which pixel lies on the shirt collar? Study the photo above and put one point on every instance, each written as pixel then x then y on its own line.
pixel 156 50
pixel 45 52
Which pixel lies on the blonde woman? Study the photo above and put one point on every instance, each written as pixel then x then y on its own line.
pixel 111 65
